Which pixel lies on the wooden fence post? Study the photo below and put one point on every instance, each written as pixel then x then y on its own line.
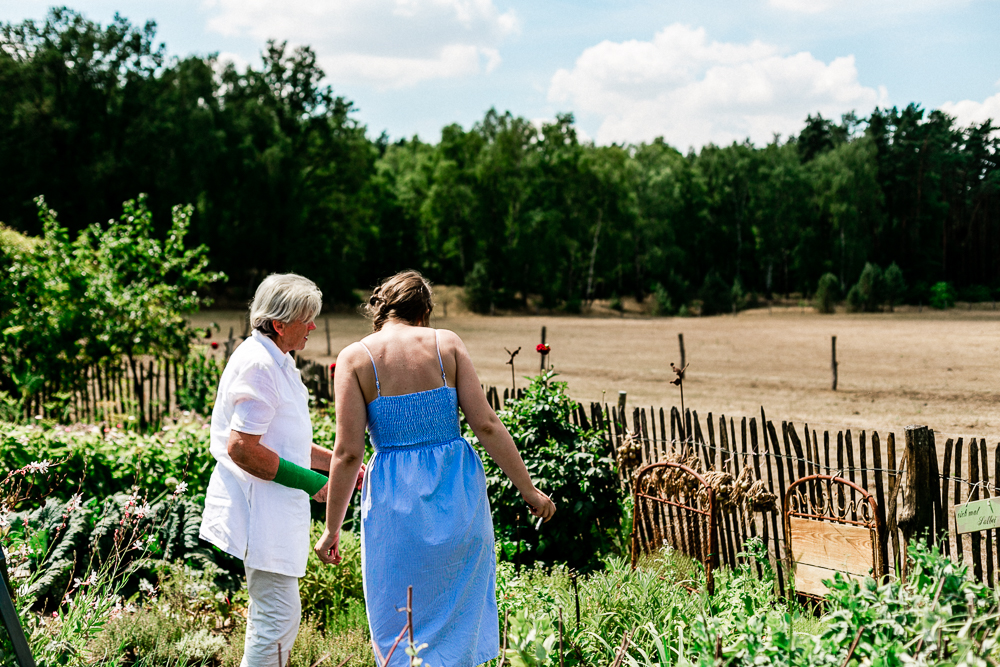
pixel 921 488
pixel 680 342
pixel 622 396
pixel 833 360
pixel 542 369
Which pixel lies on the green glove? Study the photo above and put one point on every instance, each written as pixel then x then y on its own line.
pixel 297 477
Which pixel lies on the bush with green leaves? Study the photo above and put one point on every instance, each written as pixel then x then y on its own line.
pixel 573 466
pixel 942 296
pixel 827 293
pixel 895 286
pixel 716 297
pixel 114 291
pixel 329 592
pixel 478 293
pixel 662 303
pixel 868 295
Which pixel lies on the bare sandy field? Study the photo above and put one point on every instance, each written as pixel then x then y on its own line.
pixel 933 368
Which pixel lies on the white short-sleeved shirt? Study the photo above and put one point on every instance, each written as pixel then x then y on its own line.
pixel 263 523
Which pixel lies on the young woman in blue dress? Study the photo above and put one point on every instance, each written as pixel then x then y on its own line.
pixel 425 516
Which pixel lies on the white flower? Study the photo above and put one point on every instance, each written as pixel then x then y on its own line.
pixel 4 521
pixel 180 489
pixel 38 466
pixel 73 503
pixel 146 587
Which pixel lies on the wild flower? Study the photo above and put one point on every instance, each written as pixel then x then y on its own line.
pixel 37 466
pixel 180 489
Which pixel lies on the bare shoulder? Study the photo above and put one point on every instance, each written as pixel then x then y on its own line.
pixel 352 356
pixel 450 340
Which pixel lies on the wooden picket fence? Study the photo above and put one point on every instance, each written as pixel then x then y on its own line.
pixel 782 453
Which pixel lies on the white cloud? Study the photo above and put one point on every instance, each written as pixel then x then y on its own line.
pixel 864 7
pixel 386 43
pixel 970 112
pixel 692 91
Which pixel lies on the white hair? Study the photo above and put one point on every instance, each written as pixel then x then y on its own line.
pixel 285 297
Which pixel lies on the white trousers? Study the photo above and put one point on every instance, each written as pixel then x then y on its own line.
pixel 273 621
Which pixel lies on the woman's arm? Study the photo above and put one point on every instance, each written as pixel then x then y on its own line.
pixel 492 434
pixel 247 452
pixel 348 450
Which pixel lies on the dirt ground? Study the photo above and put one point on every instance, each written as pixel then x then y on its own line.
pixel 934 368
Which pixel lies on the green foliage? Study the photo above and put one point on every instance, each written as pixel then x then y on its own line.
pixel 201 383
pixel 572 466
pixel 478 293
pixel 976 294
pixel 737 297
pixel 895 285
pixel 662 304
pixel 531 641
pixel 329 592
pixel 550 215
pixel 827 293
pixel 112 291
pixel 942 296
pixel 871 290
pixel 715 295
pixel 99 465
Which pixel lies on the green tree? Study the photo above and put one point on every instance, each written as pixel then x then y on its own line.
pixel 895 286
pixel 827 293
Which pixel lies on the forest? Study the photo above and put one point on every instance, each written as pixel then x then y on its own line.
pixel 283 175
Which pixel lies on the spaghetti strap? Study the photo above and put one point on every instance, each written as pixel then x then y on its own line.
pixel 378 389
pixel 437 341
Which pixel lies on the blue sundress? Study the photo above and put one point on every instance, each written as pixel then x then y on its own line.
pixel 425 522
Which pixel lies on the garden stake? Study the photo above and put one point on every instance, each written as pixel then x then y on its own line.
pixel 560 638
pixel 540 348
pixel 679 381
pixel 510 362
pixel 621 649
pixel 325 657
pixel 576 594
pixel 503 651
pixel 854 645
pixel 517 537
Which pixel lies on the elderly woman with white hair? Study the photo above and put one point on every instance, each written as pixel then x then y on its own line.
pixel 257 503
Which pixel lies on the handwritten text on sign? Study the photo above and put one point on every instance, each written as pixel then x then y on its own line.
pixel 977 515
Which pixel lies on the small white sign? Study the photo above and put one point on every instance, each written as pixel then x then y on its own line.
pixel 977 515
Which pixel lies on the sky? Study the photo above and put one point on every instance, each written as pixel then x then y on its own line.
pixel 630 71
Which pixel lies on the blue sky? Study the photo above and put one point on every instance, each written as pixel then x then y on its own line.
pixel 693 72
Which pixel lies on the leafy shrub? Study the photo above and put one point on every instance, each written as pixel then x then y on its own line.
pixel 895 285
pixel 738 298
pixel 70 538
pixel 97 464
pixel 201 383
pixel 976 294
pixel 113 291
pixel 662 304
pixel 868 294
pixel 715 295
pixel 827 293
pixel 573 466
pixel 478 292
pixel 942 296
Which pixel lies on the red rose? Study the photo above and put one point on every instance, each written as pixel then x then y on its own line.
pixel 215 345
pixel 543 349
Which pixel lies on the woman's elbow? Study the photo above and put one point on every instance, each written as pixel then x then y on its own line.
pixel 488 428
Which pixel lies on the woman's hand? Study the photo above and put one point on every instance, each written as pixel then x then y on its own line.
pixel 539 504
pixel 328 547
pixel 320 496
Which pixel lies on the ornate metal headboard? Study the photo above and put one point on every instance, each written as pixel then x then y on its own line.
pixel 675 506
pixel 832 525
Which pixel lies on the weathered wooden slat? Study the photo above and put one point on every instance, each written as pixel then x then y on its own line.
pixel 946 547
pixel 849 450
pixel 755 449
pixel 996 480
pixel 728 523
pixel 977 555
pixel 822 548
pixel 959 539
pixel 771 461
pixel 988 535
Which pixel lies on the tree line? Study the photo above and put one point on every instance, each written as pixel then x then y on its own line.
pixel 283 176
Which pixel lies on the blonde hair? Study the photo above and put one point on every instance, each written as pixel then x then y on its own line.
pixel 285 297
pixel 406 296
